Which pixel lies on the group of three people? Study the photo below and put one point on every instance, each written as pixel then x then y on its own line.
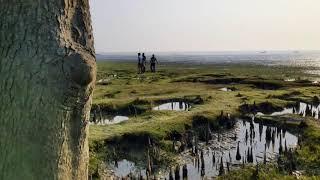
pixel 142 62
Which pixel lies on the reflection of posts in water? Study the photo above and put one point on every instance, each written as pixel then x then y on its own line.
pixel 202 163
pixel 243 161
pixel 203 172
pixel 285 147
pixel 268 136
pixel 248 155
pixel 198 162
pixel 245 156
pixel 238 156
pixel 284 131
pixel 228 166
pixel 252 132
pixel 185 172
pixel 308 111
pixel 278 131
pixel 196 146
pixel 177 172
pixel 221 169
pixel 180 105
pixel 247 136
pixel 273 136
pixel 213 158
pixel 260 131
pixel 170 174
pixel 280 145
pixel 265 154
pixel 140 176
pixel 251 155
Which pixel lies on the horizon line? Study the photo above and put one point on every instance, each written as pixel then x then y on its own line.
pixel 191 51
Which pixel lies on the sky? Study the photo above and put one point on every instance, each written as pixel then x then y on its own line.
pixel 205 25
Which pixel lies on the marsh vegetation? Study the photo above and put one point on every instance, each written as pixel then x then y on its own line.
pixel 206 121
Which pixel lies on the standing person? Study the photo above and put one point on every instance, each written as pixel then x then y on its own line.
pixel 139 63
pixel 153 62
pixel 143 63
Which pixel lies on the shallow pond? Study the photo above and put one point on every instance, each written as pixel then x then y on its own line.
pixel 254 142
pixel 173 106
pixel 110 120
pixel 226 89
pixel 301 108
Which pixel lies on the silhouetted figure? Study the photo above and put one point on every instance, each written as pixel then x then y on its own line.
pixel 143 63
pixel 153 62
pixel 139 63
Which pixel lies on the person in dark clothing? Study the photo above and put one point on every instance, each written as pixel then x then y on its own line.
pixel 139 63
pixel 143 63
pixel 153 62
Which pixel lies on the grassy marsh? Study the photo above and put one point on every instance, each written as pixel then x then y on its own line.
pixel 120 88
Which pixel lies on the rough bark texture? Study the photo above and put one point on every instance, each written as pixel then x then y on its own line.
pixel 47 75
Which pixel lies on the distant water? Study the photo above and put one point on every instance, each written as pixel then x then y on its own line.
pixel 289 58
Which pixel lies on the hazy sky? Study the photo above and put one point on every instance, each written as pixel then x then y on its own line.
pixel 205 25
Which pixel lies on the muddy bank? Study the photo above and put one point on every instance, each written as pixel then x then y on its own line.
pixel 265 84
pixel 129 109
pixel 196 99
pixel 264 107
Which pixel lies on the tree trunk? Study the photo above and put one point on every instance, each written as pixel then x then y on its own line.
pixel 47 75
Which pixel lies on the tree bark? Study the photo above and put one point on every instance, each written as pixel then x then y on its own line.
pixel 47 75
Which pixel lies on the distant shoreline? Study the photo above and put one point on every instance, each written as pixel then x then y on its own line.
pixel 280 58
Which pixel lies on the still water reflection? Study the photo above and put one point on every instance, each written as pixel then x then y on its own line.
pixel 248 142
